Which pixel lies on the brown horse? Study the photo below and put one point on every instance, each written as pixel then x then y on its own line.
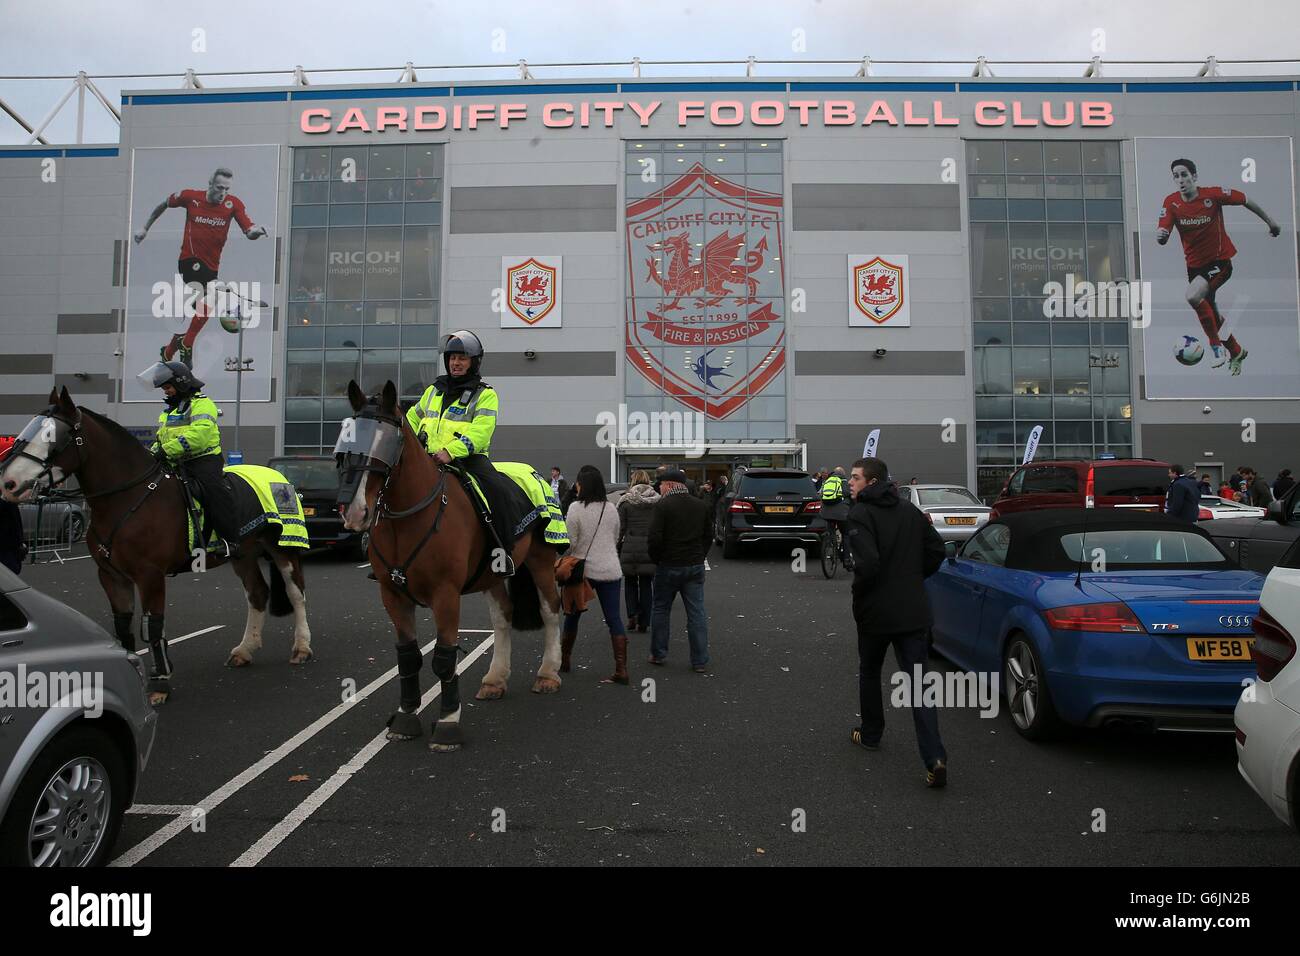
pixel 138 534
pixel 428 548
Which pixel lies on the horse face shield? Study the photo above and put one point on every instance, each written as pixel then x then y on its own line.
pixel 364 446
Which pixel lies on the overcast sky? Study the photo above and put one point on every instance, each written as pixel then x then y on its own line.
pixel 60 37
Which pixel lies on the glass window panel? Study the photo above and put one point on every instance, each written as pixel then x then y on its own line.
pixel 1106 252
pixel 1101 157
pixel 988 209
pixel 311 215
pixel 1032 371
pixel 419 336
pixel 992 310
pixel 377 367
pixel 423 162
pixel 305 337
pixel 310 165
pixel 347 255
pixel 1065 210
pixel 341 366
pixel 1102 187
pixel 419 368
pixel 352 215
pixel 340 158
pixel 987 187
pixel 310 193
pixel 993 407
pixel 423 190
pixel 1067 252
pixel 993 371
pixel 1031 333
pixel 307 264
pixel 386 162
pixel 1069 333
pixel 423 213
pixel 989 258
pixel 302 434
pixel 303 373
pixel 344 313
pixel 1024 157
pixel 384 214
pixel 994 433
pixel 341 192
pixel 1026 209
pixel 382 336
pixel 418 313
pixel 1028 248
pixel 420 262
pixel 1072 406
pixel 985 157
pixel 1025 187
pixel 1105 210
pixel 383 262
pixel 302 410
pixel 1061 156
pixel 992 333
pixel 343 336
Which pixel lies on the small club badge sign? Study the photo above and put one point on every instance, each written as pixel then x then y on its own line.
pixel 878 293
pixel 532 292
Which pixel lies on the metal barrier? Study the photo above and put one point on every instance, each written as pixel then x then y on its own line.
pixel 56 527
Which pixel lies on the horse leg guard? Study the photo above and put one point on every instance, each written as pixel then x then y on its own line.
pixel 404 722
pixel 122 628
pixel 447 730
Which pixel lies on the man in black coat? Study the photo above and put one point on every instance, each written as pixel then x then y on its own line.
pixel 1183 499
pixel 895 549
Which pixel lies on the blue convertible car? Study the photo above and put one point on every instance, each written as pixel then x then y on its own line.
pixel 1092 617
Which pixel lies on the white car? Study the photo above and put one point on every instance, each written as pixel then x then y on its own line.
pixel 1213 506
pixel 1267 717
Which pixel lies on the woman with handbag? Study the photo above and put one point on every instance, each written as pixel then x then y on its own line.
pixel 593 533
pixel 634 513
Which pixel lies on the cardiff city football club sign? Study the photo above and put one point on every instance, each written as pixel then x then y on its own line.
pixel 878 293
pixel 707 291
pixel 532 291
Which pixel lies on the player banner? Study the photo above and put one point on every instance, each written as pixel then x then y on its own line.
pixel 1217 243
pixel 202 266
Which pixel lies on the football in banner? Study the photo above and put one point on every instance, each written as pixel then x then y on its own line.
pixel 707 291
pixel 878 291
pixel 1217 244
pixel 532 289
pixel 201 268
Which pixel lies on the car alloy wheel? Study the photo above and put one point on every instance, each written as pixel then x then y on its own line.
pixel 71 815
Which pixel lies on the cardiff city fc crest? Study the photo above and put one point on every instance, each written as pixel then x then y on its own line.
pixel 879 291
pixel 705 319
pixel 532 289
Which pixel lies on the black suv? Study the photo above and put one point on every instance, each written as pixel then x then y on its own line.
pixel 316 479
pixel 769 504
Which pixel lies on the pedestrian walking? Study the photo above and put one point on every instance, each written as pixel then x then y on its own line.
pixel 895 549
pixel 635 512
pixel 1183 497
pixel 681 532
pixel 593 534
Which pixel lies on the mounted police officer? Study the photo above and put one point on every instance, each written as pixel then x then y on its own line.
pixel 456 417
pixel 189 438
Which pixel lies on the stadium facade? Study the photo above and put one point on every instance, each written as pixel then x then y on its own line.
pixel 776 266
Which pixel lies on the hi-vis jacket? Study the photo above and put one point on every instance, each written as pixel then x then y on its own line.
pixel 461 422
pixel 189 430
pixel 833 488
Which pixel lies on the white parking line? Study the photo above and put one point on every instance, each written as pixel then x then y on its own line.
pixel 232 786
pixel 256 853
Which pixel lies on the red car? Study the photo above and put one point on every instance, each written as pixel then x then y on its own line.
pixel 1138 483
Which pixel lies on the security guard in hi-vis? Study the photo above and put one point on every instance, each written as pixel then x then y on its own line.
pixel 455 418
pixel 188 437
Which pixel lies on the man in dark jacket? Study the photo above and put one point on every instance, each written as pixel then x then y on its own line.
pixel 681 532
pixel 1183 499
pixel 894 549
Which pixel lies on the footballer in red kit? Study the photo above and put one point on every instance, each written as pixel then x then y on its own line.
pixel 1197 213
pixel 208 214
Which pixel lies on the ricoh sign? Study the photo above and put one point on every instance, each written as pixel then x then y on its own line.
pixel 705 114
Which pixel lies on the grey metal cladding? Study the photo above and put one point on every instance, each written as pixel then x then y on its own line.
pixel 807 362
pixel 86 323
pixel 507 209
pixel 876 207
